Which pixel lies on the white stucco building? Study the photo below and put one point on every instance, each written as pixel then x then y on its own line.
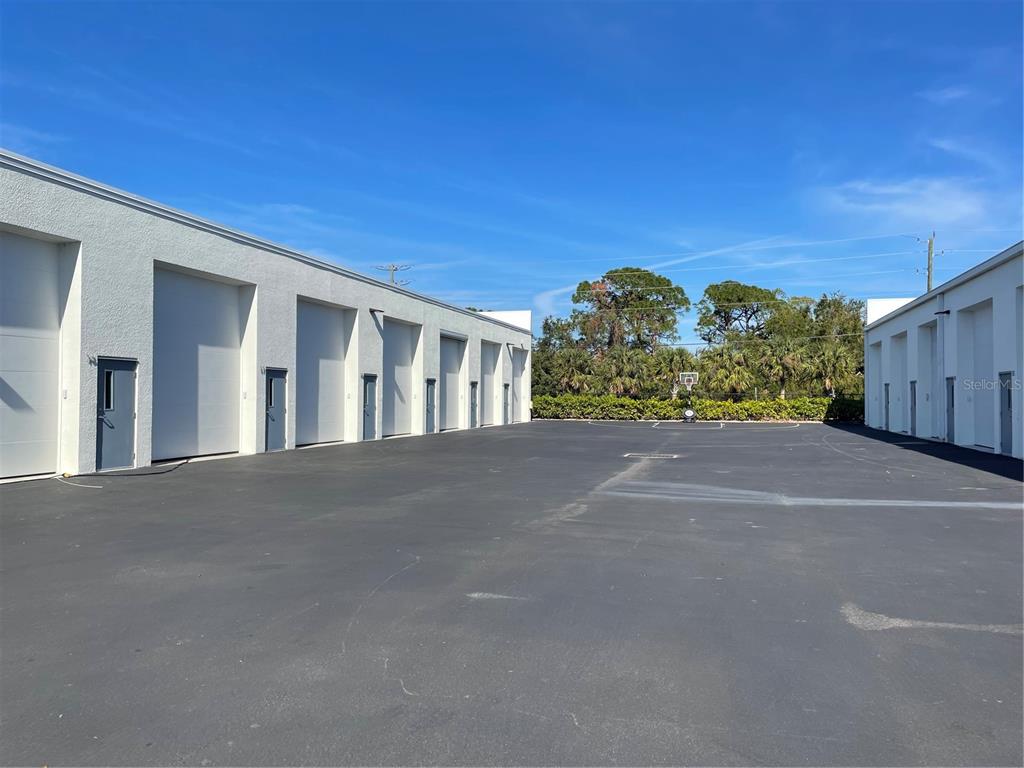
pixel 131 332
pixel 947 365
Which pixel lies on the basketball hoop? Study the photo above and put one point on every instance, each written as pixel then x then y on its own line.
pixel 688 379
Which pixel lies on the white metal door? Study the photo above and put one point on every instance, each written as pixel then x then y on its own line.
pixel 488 381
pixel 452 352
pixel 518 368
pixel 29 355
pixel 320 374
pixel 985 405
pixel 399 347
pixel 196 359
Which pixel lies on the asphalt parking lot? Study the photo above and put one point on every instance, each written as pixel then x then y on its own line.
pixel 750 594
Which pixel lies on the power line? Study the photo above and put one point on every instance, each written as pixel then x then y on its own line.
pixel 791 301
pixel 739 248
pixel 777 264
pixel 832 277
pixel 774 264
pixel 762 265
pixel 759 265
pixel 649 307
pixel 726 342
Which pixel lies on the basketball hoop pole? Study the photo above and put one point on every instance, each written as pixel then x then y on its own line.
pixel 688 379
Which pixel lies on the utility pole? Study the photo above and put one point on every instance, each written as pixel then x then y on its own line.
pixel 931 258
pixel 391 269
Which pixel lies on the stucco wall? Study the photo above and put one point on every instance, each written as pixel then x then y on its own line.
pixel 120 239
pixel 970 331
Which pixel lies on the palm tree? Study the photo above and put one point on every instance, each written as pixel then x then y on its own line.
pixel 665 367
pixel 622 369
pixel 573 370
pixel 725 370
pixel 782 362
pixel 832 364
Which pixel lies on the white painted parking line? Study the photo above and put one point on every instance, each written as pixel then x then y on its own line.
pixel 875 622
pixel 492 596
pixel 688 492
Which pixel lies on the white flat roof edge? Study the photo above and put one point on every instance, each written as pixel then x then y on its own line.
pixel 27 165
pixel 988 265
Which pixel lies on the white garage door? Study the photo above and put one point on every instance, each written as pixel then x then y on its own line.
pixel 396 395
pixel 984 370
pixel 518 368
pixel 320 374
pixel 451 381
pixel 488 381
pixel 29 355
pixel 196 347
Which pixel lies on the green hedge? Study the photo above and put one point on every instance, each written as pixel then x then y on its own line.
pixel 611 407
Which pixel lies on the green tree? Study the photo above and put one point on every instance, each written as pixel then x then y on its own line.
pixel 557 333
pixel 833 365
pixel 664 368
pixel 615 340
pixel 628 307
pixel 622 371
pixel 835 315
pixel 733 308
pixel 542 380
pixel 782 361
pixel 839 343
pixel 573 370
pixel 790 318
pixel 724 370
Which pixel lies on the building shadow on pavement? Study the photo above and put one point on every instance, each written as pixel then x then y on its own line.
pixel 996 464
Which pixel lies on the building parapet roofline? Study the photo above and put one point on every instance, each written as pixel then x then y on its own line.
pixel 31 167
pixel 1005 255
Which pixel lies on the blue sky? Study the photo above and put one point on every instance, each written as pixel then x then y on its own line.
pixel 508 151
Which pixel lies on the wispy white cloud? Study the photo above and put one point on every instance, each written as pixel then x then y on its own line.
pixel 28 141
pixel 546 301
pixel 912 204
pixel 791 261
pixel 435 266
pixel 134 105
pixel 775 242
pixel 463 220
pixel 338 238
pixel 324 255
pixel 481 298
pixel 750 244
pixel 551 301
pixel 968 150
pixel 294 222
pixel 945 95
